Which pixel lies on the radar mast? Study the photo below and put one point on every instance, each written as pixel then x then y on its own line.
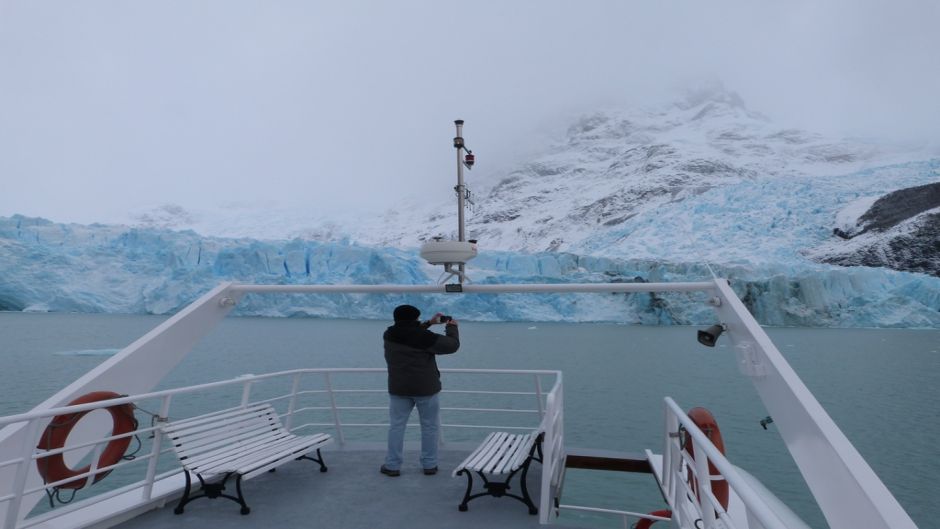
pixel 453 254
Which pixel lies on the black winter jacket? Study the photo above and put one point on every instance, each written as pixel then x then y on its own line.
pixel 410 351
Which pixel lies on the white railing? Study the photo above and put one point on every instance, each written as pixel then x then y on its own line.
pixel 553 450
pixel 298 404
pixel 698 506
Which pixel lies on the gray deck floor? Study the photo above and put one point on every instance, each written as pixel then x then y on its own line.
pixel 353 494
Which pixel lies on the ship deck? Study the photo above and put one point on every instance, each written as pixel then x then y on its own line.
pixel 353 494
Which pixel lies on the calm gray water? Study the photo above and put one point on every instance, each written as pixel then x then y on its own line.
pixel 880 386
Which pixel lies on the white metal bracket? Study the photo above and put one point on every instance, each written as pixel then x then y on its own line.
pixel 749 360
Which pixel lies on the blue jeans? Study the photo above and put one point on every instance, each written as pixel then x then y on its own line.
pixel 399 409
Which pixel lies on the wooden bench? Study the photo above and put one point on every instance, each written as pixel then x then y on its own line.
pixel 501 454
pixel 242 443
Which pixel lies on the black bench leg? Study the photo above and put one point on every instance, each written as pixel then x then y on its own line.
pixel 466 497
pixel 500 489
pixel 212 491
pixel 318 459
pixel 526 499
pixel 241 498
pixel 185 498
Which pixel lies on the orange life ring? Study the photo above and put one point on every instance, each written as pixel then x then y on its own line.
pixel 706 422
pixel 645 523
pixel 53 468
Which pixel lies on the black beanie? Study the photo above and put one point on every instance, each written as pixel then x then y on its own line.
pixel 406 313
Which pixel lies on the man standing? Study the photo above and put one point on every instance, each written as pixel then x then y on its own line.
pixel 414 381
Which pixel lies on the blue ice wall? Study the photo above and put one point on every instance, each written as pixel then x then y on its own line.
pixel 95 268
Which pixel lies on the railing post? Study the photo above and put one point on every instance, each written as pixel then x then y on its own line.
pixel 246 393
pixel 669 453
pixel 538 396
pixel 155 449
pixel 22 471
pixel 554 405
pixel 703 480
pixel 293 402
pixel 548 461
pixel 339 427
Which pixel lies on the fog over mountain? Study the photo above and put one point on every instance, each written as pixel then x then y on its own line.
pixel 652 183
pixel 812 230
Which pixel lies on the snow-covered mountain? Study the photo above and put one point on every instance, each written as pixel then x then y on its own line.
pixel 650 183
pixel 900 230
pixel 627 195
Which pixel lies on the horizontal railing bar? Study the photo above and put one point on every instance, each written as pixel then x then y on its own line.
pixel 488 427
pixel 482 392
pixel 461 391
pixel 89 473
pixel 495 410
pixel 270 400
pixel 613 511
pixel 22 417
pixel 380 408
pixel 56 451
pixel 312 408
pixel 477 288
pixel 11 462
pixel 413 425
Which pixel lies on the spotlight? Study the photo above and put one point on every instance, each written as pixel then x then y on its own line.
pixel 709 336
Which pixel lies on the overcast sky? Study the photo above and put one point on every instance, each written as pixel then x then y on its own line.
pixel 108 106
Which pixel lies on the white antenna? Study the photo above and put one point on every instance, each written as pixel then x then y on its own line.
pixel 455 253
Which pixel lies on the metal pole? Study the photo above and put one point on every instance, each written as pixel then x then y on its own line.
pixel 461 191
pixel 155 449
pixel 338 425
pixel 458 143
pixel 22 472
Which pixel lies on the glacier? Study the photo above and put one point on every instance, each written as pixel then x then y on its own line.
pixel 698 187
pixel 51 266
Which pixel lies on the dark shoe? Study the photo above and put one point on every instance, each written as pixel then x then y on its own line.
pixel 430 471
pixel 390 473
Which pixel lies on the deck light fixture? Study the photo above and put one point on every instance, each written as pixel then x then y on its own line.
pixel 709 336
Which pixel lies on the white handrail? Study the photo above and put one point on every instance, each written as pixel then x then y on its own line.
pixel 753 502
pixel 51 412
pixel 704 286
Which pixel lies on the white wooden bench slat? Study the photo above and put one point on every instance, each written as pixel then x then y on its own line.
pixel 484 452
pixel 510 458
pixel 254 424
pixel 227 453
pixel 231 422
pixel 275 454
pixel 493 462
pixel 522 451
pixel 250 434
pixel 247 462
pixel 211 418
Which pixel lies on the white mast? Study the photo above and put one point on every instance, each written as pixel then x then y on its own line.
pixel 461 187
pixel 450 253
